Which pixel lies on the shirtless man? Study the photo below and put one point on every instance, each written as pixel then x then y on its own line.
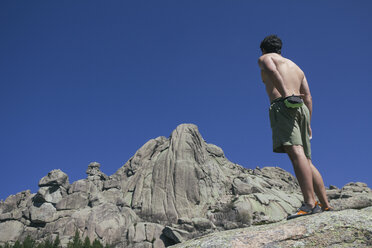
pixel 287 88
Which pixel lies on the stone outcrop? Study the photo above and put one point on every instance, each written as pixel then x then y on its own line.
pixel 172 190
pixel 53 187
pixel 346 228
pixel 352 195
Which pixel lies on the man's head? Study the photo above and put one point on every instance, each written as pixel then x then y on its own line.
pixel 271 44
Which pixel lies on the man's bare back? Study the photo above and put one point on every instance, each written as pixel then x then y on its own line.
pixel 292 76
pixel 283 78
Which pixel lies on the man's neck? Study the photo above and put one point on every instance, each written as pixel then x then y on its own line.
pixel 272 54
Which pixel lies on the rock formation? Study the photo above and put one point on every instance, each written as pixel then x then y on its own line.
pixel 347 228
pixel 172 190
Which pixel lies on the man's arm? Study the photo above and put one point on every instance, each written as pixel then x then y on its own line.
pixel 268 66
pixel 306 95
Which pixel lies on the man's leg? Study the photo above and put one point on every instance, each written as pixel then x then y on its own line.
pixel 319 186
pixel 303 172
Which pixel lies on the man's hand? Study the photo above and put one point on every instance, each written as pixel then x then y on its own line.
pixel 310 132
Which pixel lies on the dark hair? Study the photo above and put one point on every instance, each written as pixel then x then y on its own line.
pixel 272 44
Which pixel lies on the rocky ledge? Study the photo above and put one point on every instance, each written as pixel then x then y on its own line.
pixel 172 190
pixel 346 228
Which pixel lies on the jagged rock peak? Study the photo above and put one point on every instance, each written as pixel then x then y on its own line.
pixel 186 129
pixel 181 177
pixel 186 141
pixel 93 169
pixel 189 135
pixel 54 178
pixel 94 172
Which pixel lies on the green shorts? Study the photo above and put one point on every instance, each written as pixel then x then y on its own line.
pixel 290 126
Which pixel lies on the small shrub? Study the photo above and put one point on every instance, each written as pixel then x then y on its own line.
pixel 56 243
pixel 17 244
pixel 76 241
pixel 28 242
pixel 87 243
pixel 97 244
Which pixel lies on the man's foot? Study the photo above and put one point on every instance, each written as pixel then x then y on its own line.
pixel 304 210
pixel 324 208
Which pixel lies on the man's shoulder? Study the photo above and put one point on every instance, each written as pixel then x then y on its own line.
pixel 277 58
pixel 264 58
pixel 267 55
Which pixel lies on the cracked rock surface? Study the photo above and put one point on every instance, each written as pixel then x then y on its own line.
pixel 346 228
pixel 172 190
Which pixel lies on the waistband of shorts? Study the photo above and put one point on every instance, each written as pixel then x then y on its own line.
pixel 279 99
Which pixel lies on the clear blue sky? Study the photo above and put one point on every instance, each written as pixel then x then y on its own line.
pixel 84 81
